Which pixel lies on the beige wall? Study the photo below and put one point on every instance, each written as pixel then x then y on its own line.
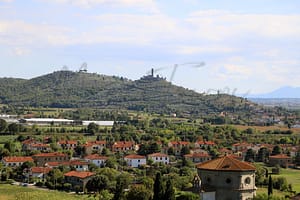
pixel 229 185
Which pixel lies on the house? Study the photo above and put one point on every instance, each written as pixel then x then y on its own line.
pixel 227 178
pixel 177 146
pixel 78 178
pixel 134 160
pixel 239 147
pixel 67 144
pixel 26 144
pixel 281 159
pixel 204 144
pixel 98 160
pixel 40 147
pixel 123 146
pixel 14 161
pixel 42 158
pixel 80 165
pixel 224 151
pixel 198 157
pixel 94 147
pixel 159 158
pixel 39 172
pixel 57 164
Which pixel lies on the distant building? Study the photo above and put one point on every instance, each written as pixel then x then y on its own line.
pixel 99 123
pixel 198 157
pixel 39 172
pixel 226 178
pixel 67 144
pixel 98 160
pixel 80 179
pixel 282 160
pixel 15 161
pixel 159 158
pixel 47 121
pixel 134 160
pixel 43 158
pixel 123 146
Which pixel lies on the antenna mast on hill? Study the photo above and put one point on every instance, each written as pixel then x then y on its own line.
pixel 83 67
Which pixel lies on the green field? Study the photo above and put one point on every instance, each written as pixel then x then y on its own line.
pixel 13 192
pixel 292 176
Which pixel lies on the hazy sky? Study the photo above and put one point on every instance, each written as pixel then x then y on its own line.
pixel 248 45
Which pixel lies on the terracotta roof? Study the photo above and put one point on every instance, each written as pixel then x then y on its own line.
pixel 18 159
pixel 200 142
pixel 122 144
pixel 135 156
pixel 79 174
pixel 40 145
pixel 56 164
pixel 67 142
pixel 280 156
pixel 158 155
pixel 197 155
pixel 50 154
pixel 96 157
pixel 78 162
pixel 45 170
pixel 226 163
pixel 180 143
pixel 241 144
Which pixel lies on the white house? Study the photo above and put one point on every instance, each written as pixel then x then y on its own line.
pixel 98 160
pixel 80 165
pixel 159 157
pixel 134 160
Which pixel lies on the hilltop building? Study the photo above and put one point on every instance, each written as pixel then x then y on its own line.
pixel 227 178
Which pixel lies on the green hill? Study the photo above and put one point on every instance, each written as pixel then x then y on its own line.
pixel 76 90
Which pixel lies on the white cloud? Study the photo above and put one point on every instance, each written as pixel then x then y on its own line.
pixel 145 5
pixel 204 49
pixel 220 25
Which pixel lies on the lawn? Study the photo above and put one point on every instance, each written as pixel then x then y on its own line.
pixel 293 177
pixel 13 192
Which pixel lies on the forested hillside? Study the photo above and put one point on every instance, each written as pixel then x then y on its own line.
pixel 152 94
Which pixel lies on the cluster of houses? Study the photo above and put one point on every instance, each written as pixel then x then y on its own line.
pixel 79 174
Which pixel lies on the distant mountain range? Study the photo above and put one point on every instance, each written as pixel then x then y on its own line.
pixel 281 93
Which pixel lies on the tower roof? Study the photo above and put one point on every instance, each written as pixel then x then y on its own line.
pixel 226 163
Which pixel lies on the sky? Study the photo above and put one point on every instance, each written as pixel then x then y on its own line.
pixel 248 47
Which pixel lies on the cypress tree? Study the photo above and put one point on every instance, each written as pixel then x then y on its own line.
pixel 170 193
pixel 158 188
pixel 270 186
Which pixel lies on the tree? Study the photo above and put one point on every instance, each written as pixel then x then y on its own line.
pixel 13 128
pixel 184 150
pixel 169 193
pixel 270 186
pixel 263 154
pixel 3 125
pixel 158 189
pixel 97 183
pixel 276 150
pixel 250 155
pixel 92 128
pixel 139 193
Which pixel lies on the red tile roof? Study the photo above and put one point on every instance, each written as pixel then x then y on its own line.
pixel 40 145
pixel 78 174
pixel 179 143
pixel 134 156
pixel 96 157
pixel 197 155
pixel 45 170
pixel 226 163
pixel 56 164
pixel 18 159
pixel 67 142
pixel 55 154
pixel 78 162
pixel 158 155
pixel 280 156
pixel 123 144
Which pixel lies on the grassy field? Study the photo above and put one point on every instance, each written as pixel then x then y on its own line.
pixel 292 176
pixel 13 192
pixel 265 128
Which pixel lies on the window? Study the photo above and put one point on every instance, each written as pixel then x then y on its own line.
pixel 247 180
pixel 228 180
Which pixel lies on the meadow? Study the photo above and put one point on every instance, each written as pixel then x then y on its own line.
pixel 14 192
